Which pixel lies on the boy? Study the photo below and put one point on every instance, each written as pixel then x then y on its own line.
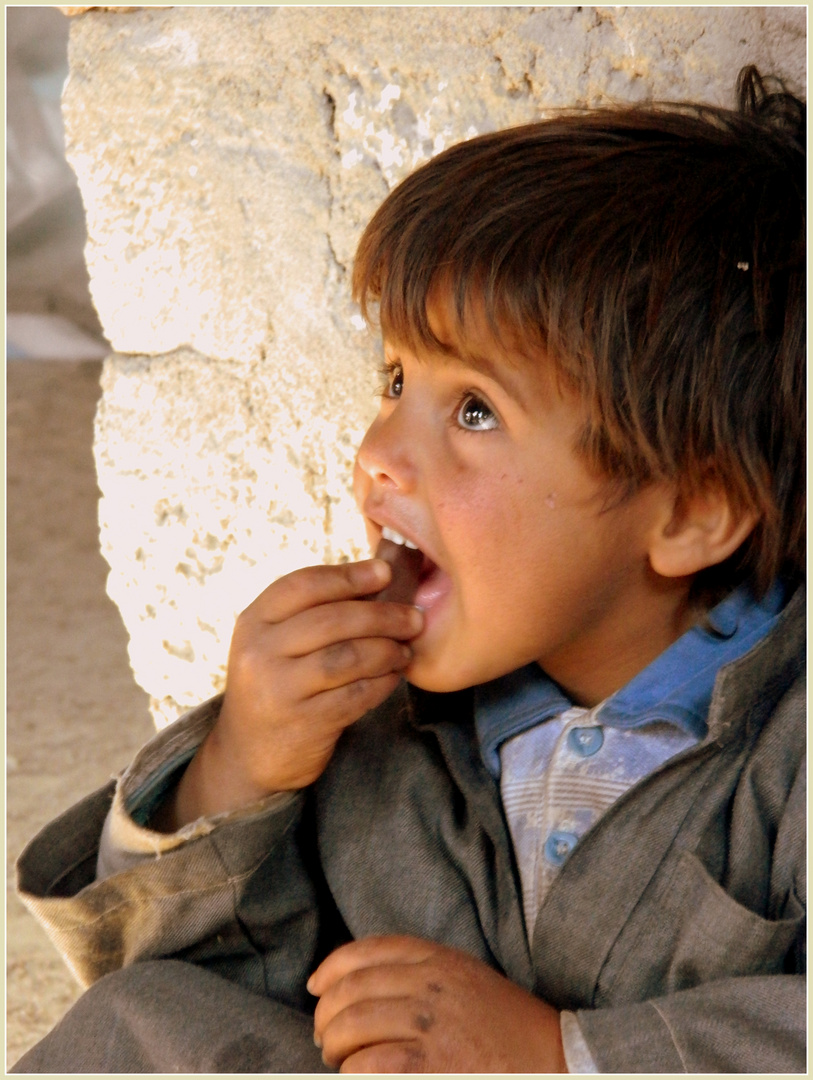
pixel 573 837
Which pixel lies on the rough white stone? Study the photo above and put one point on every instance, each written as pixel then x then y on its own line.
pixel 229 158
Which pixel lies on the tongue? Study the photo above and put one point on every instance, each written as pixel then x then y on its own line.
pixel 406 566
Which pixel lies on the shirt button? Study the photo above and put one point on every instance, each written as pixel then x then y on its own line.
pixel 585 741
pixel 559 845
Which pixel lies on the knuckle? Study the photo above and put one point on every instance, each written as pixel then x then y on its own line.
pixel 366 693
pixel 351 985
pixel 388 1057
pixel 410 619
pixel 250 656
pixel 340 658
pixel 294 592
pixel 402 1057
pixel 424 1020
pixel 413 1057
pixel 243 624
pixel 352 572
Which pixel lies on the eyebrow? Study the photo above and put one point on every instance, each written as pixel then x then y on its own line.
pixel 500 373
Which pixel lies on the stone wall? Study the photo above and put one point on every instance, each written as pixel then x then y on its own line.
pixel 228 159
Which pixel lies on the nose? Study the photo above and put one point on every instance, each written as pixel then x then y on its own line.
pixel 385 456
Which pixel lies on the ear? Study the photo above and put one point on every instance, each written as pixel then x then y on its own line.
pixel 698 530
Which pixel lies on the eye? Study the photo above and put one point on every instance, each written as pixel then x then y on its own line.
pixel 393 376
pixel 475 415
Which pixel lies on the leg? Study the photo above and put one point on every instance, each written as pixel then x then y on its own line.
pixel 167 1016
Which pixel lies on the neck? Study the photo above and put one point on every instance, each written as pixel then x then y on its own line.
pixel 614 654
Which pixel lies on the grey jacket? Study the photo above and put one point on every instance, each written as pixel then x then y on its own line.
pixel 675 929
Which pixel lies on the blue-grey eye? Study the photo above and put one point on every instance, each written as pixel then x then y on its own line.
pixel 475 415
pixel 395 383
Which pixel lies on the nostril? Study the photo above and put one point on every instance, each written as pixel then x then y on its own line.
pixel 384 479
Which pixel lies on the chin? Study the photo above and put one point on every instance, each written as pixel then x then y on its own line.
pixel 432 677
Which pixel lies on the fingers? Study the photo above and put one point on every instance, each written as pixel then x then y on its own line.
pixel 348 663
pixel 334 710
pixel 361 995
pixel 375 991
pixel 381 1020
pixel 369 952
pixel 314 585
pixel 408 1056
pixel 332 635
pixel 331 624
pixel 308 660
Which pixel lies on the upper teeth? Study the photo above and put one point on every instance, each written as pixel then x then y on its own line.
pixel 396 538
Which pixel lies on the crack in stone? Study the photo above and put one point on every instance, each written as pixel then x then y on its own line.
pixel 330 105
pixel 513 89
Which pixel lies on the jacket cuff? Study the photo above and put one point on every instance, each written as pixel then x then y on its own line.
pixel 637 1033
pixel 142 787
pixel 577 1054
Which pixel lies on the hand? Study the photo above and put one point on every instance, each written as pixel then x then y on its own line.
pixel 401 1004
pixel 307 658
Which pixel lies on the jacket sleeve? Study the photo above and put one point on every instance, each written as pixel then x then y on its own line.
pixel 239 894
pixel 738 1025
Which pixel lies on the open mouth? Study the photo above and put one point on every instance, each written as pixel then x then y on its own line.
pixel 427 567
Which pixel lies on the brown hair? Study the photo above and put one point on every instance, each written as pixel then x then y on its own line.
pixel 656 253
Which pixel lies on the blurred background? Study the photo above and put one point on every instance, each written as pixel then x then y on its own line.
pixel 72 703
pixel 50 314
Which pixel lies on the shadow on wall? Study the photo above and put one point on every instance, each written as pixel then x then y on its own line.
pixel 50 313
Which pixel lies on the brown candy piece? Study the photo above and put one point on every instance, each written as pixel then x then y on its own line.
pixel 406 568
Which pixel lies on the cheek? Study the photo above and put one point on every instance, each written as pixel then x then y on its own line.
pixel 486 515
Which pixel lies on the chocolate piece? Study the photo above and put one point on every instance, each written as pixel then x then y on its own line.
pixel 406 566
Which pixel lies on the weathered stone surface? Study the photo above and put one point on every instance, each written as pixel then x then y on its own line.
pixel 228 159
pixel 215 481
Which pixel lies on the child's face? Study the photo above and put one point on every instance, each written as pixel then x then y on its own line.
pixel 473 461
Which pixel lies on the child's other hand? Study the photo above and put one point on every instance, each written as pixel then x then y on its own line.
pixel 308 657
pixel 404 1005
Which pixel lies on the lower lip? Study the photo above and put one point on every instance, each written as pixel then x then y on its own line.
pixel 432 590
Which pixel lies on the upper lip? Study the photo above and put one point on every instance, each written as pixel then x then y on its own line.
pixel 387 522
pixel 390 524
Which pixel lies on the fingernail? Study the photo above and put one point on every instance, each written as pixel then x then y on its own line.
pixel 317 1041
pixel 309 984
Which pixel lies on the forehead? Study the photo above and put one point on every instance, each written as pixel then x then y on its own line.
pixel 469 336
pixel 472 340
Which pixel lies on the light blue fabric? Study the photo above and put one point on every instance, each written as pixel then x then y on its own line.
pixel 676 687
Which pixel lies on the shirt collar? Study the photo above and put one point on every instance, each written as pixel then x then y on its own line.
pixel 676 687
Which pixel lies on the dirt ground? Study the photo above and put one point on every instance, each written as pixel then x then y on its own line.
pixel 75 715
